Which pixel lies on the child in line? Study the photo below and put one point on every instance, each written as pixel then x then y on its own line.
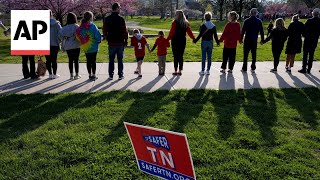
pixel 90 37
pixel 279 36
pixel 162 43
pixel 230 36
pixel 139 42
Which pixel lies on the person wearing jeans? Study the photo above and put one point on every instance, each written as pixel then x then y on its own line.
pixel 312 33
pixel 207 31
pixel 116 33
pixel 113 52
pixel 89 36
pixel 51 63
pixel 25 69
pixel 68 35
pixel 251 28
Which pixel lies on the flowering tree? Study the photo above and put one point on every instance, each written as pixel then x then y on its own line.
pixel 60 8
pixel 103 7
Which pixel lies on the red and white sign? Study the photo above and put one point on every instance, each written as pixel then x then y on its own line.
pixel 161 153
pixel 30 32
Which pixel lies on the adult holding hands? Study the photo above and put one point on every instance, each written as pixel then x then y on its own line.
pixel 179 28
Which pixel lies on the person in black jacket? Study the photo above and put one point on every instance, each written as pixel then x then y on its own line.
pixel 311 37
pixel 116 33
pixel 294 45
pixel 278 35
pixel 251 28
pixel 207 31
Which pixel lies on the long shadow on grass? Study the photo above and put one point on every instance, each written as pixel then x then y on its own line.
pixel 189 106
pixel 226 105
pixel 37 114
pixel 260 107
pixel 143 107
pixel 307 102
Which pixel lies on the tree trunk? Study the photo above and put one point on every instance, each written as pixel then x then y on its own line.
pixel 240 9
pixel 221 11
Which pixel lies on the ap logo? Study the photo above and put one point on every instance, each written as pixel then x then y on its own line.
pixel 30 32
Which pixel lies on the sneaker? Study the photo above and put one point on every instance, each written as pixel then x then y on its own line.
pixel 110 78
pixel 140 76
pixel 50 76
pixel 308 71
pixel 208 72
pixel 273 70
pixel 253 71
pixel 121 77
pixel 136 72
pixel 288 70
pixel 202 73
pixel 77 76
pixel 55 76
pixel 223 71
pixel 229 71
pixel 243 71
pixel 71 77
pixel 161 74
pixel 302 71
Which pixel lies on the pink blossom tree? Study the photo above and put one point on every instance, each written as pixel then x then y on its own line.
pixel 103 7
pixel 60 8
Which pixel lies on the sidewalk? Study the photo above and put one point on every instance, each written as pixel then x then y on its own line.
pixel 11 79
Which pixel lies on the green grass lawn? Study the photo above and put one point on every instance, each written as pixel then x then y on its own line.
pixel 243 134
pixel 192 52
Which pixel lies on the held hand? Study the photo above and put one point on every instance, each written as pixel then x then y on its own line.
pixel 261 42
pixel 194 41
pixel 241 42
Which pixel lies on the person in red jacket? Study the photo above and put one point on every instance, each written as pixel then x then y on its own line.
pixel 139 43
pixel 179 28
pixel 230 36
pixel 162 44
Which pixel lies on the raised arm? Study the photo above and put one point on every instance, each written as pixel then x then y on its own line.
pixel 244 29
pixel 190 33
pixel 172 30
pixel 216 35
pixel 224 33
pixel 202 29
pixel 261 31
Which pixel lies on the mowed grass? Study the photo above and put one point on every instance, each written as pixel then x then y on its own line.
pixel 243 134
pixel 192 52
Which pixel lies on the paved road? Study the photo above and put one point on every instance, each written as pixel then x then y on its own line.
pixel 11 82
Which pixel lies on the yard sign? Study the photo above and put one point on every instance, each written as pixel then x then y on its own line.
pixel 161 153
